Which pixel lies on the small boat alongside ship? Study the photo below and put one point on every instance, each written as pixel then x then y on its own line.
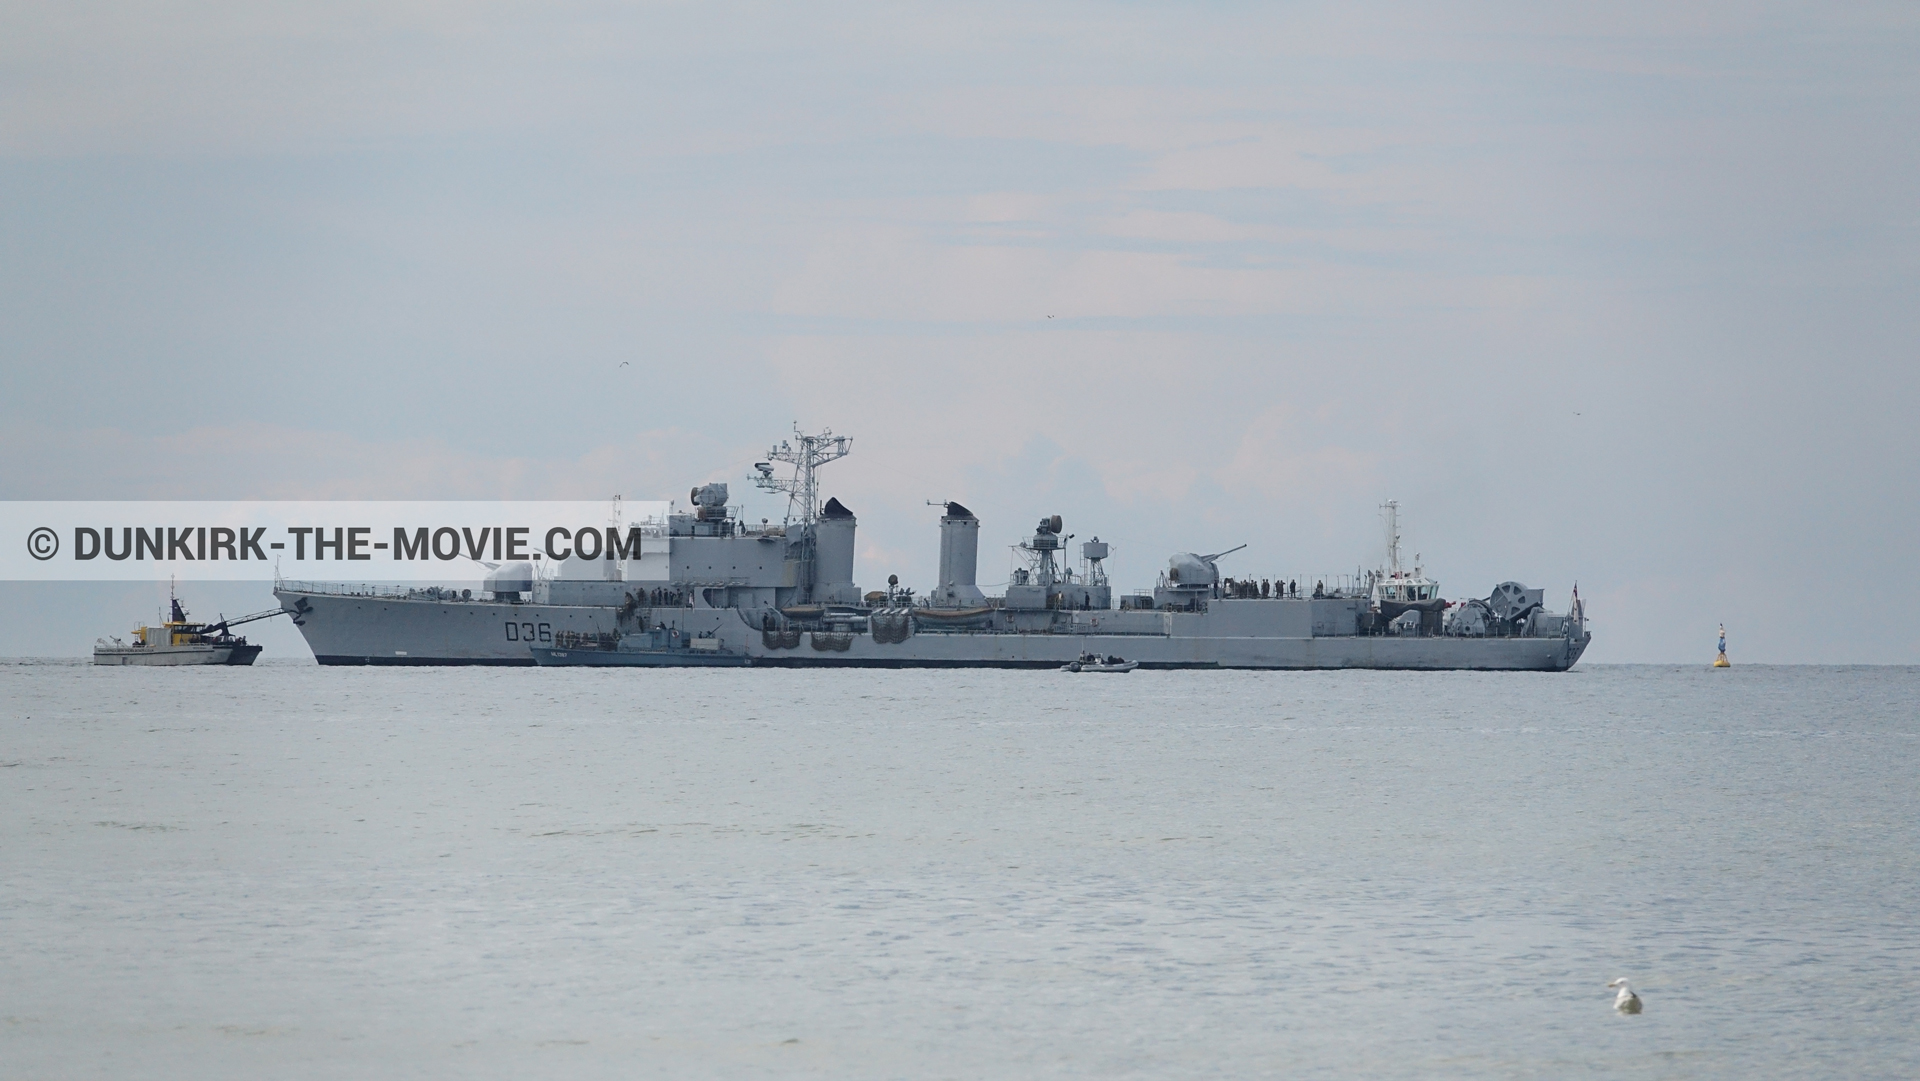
pixel 178 641
pixel 1094 662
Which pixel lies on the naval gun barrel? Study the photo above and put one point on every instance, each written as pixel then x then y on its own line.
pixel 1217 555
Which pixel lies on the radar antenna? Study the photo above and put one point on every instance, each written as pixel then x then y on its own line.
pixel 803 488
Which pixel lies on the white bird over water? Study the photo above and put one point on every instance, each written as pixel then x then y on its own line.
pixel 1626 1001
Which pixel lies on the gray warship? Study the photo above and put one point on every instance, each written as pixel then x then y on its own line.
pixel 712 588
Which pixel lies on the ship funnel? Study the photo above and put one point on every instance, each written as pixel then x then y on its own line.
pixel 959 559
pixel 833 555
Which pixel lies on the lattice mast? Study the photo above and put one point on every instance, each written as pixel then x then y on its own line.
pixel 806 454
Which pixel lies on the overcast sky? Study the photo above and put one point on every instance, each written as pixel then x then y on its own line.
pixel 1624 296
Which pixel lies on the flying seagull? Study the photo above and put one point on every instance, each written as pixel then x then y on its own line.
pixel 1626 1001
pixel 624 363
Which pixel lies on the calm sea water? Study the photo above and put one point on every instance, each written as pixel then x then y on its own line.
pixel 291 871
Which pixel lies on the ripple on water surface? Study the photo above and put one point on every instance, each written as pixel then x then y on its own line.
pixel 390 872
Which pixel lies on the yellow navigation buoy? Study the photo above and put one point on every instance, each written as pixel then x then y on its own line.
pixel 1722 661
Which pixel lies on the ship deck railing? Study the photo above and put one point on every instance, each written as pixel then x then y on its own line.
pixel 392 590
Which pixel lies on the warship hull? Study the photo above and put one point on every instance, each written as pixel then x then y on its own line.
pixel 1248 634
pixel 1254 634
pixel 360 629
pixel 1516 655
pixel 549 657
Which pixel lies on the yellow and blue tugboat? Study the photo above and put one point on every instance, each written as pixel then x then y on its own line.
pixel 178 641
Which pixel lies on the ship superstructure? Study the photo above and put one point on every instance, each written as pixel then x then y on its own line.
pixel 712 584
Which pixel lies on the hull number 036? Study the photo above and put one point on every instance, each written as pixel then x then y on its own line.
pixel 529 632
